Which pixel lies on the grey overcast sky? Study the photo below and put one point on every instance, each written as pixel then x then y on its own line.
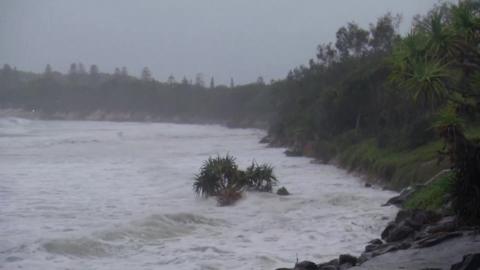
pixel 222 38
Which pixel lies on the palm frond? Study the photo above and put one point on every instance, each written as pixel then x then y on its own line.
pixel 447 118
pixel 260 177
pixel 465 19
pixel 216 174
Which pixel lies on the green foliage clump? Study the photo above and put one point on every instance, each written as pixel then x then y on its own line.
pixel 444 72
pixel 432 196
pixel 260 177
pixel 397 166
pixel 220 177
pixel 387 109
pixel 216 175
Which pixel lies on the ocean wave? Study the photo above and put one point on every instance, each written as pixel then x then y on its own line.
pixel 80 247
pixel 13 126
pixel 13 122
pixel 134 235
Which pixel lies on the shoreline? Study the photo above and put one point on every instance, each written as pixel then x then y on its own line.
pixel 100 115
pixel 379 253
pixel 415 239
pixel 286 220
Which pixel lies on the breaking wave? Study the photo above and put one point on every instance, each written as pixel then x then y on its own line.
pixel 10 126
pixel 134 235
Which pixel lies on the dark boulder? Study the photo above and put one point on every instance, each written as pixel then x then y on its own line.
pixel 294 153
pixel 407 223
pixel 305 265
pixel 347 259
pixel 446 224
pixel 382 249
pixel 400 232
pixel 391 248
pixel 418 216
pixel 331 265
pixel 469 262
pixel 283 191
pixel 376 242
pixel 425 217
pixel 435 239
pixel 388 229
pixel 401 198
pixel 371 247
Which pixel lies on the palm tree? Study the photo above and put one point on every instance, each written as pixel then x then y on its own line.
pixel 260 177
pixel 427 63
pixel 220 177
pixel 465 23
pixel 440 37
pixel 418 71
pixel 465 19
pixel 217 174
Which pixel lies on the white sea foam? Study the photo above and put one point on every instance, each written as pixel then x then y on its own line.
pixel 102 195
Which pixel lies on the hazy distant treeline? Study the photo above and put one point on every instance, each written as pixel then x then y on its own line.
pixel 84 93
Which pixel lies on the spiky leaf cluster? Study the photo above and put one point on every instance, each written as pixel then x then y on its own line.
pixel 220 177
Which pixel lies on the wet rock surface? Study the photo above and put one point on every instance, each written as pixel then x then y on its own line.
pixel 407 224
pixel 435 239
pixel 401 198
pixel 331 265
pixel 294 152
pixel 416 239
pixel 305 265
pixel 469 262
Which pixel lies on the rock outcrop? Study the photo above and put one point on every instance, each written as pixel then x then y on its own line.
pixel 469 262
pixel 412 233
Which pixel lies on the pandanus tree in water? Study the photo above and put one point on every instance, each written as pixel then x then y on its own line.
pixel 218 175
pixel 221 178
pixel 260 177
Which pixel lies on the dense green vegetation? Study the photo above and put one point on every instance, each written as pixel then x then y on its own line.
pixel 384 104
pixel 220 177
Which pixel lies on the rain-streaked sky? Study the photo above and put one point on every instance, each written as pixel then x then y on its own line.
pixel 242 39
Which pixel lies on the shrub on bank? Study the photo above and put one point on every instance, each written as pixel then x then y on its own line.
pixel 432 196
pixel 398 167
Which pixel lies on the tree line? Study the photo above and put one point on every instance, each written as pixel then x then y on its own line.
pixel 84 92
pixel 384 91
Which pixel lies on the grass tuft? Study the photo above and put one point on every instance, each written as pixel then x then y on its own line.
pixel 431 197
